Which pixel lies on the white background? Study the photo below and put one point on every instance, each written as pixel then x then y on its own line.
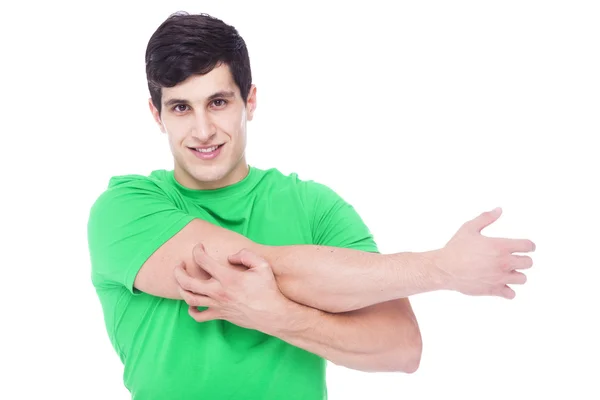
pixel 422 116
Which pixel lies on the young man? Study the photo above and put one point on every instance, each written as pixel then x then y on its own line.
pixel 221 280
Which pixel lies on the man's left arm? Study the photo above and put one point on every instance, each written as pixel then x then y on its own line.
pixel 381 337
pixel 384 337
pixel 386 334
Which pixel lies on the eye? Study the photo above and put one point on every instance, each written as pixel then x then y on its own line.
pixel 180 108
pixel 219 103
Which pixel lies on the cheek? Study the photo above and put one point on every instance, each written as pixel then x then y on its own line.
pixel 232 124
pixel 175 130
pixel 242 121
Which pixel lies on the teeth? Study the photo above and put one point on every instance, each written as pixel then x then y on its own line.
pixel 208 150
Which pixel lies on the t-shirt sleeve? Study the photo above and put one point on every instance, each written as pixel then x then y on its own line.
pixel 127 223
pixel 335 222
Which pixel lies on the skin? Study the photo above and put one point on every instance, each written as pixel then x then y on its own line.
pixel 210 111
pixel 347 306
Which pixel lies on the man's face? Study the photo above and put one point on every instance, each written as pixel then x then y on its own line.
pixel 205 119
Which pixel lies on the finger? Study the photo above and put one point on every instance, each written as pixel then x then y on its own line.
pixel 516 245
pixel 203 316
pixel 507 293
pixel 516 278
pixel 484 219
pixel 200 246
pixel 196 300
pixel 196 271
pixel 208 263
pixel 198 286
pixel 249 259
pixel 520 262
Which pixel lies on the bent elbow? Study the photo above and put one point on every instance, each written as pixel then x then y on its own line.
pixel 411 366
pixel 402 359
pixel 398 362
pixel 408 364
pixel 402 356
pixel 408 357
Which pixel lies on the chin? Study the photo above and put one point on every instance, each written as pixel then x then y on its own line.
pixel 212 174
pixel 208 175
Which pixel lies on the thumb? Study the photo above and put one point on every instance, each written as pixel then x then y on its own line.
pixel 485 219
pixel 248 259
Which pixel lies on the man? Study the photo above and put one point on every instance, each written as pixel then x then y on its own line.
pixel 219 280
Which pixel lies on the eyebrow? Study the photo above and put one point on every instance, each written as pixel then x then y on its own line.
pixel 217 95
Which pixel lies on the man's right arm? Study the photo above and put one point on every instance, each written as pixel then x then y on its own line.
pixel 339 279
pixel 328 278
pixel 137 236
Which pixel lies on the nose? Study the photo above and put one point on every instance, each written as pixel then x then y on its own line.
pixel 204 128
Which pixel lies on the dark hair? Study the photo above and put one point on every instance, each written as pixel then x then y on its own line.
pixel 193 44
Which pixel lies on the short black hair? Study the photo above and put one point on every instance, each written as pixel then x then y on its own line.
pixel 193 44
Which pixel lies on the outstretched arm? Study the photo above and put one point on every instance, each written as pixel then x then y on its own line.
pixel 339 279
pixel 327 278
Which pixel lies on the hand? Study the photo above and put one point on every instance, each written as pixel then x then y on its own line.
pixel 477 265
pixel 244 292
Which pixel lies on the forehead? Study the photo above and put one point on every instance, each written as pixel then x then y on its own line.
pixel 201 87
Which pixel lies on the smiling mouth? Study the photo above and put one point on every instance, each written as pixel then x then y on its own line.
pixel 206 149
pixel 207 153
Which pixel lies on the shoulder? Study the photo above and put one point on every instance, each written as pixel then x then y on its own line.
pixel 155 179
pixel 118 185
pixel 308 189
pixel 316 197
pixel 127 192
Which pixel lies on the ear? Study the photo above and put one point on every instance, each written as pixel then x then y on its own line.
pixel 251 103
pixel 156 116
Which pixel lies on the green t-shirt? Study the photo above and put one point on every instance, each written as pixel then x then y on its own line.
pixel 168 355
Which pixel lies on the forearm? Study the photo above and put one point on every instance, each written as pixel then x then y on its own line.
pixel 339 279
pixel 384 338
pixel 328 278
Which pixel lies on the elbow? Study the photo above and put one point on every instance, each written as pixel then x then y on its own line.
pixel 411 365
pixel 417 352
pixel 409 361
pixel 403 360
pixel 406 357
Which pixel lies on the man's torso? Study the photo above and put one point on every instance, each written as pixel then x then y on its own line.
pixel 168 355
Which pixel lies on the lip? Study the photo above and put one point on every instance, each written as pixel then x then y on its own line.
pixel 206 156
pixel 206 147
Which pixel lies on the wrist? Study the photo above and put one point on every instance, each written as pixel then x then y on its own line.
pixel 439 279
pixel 293 319
pixel 419 272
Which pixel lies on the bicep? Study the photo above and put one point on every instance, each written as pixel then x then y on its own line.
pixel 137 235
pixel 156 274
